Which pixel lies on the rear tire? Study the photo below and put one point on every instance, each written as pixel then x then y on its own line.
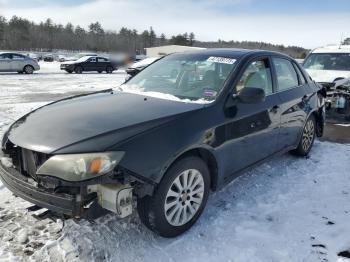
pixel 28 69
pixel 178 200
pixel 109 70
pixel 307 138
pixel 78 70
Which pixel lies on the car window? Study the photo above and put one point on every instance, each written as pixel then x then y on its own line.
pixel 302 80
pixel 286 75
pixel 6 56
pixel 258 75
pixel 324 61
pixel 101 59
pixel 92 59
pixel 17 56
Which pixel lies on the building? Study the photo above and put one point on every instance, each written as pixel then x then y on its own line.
pixel 168 49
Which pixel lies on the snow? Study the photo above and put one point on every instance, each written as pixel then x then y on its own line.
pixel 7 162
pixel 288 209
pixel 139 91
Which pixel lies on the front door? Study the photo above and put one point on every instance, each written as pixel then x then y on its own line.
pixel 91 64
pixel 252 132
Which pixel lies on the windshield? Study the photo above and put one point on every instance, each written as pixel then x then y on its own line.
pixel 83 59
pixel 185 76
pixel 328 62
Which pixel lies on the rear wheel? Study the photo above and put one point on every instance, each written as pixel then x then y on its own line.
pixel 308 137
pixel 179 199
pixel 109 70
pixel 28 69
pixel 78 70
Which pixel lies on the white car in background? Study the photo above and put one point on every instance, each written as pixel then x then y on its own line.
pixel 330 67
pixel 135 68
pixel 14 62
pixel 328 64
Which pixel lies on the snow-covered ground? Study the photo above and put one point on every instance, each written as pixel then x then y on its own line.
pixel 289 209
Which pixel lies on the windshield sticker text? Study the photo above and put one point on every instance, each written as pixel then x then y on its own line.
pixel 222 60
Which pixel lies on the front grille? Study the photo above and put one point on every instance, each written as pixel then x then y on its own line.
pixel 26 161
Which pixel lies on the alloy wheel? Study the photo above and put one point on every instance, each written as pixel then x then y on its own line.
pixel 28 70
pixel 184 197
pixel 308 135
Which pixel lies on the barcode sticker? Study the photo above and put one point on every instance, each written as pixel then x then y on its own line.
pixel 221 60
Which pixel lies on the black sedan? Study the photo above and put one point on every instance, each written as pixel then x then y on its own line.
pixel 184 126
pixel 88 64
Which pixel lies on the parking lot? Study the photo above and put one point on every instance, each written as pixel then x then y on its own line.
pixel 289 209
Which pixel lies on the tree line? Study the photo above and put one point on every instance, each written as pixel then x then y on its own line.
pixel 24 35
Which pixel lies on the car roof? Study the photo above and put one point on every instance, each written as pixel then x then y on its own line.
pixel 332 49
pixel 233 52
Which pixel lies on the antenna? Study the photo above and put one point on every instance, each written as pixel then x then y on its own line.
pixel 341 40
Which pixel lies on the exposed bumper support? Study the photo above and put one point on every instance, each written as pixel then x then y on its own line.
pixel 19 185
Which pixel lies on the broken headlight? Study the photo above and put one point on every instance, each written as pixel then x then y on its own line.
pixel 77 167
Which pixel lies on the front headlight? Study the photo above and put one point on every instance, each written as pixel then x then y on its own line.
pixel 77 167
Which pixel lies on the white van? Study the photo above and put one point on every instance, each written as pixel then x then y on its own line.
pixel 330 63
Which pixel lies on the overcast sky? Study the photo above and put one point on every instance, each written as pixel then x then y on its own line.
pixel 307 23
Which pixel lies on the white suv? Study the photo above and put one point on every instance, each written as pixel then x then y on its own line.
pixel 330 63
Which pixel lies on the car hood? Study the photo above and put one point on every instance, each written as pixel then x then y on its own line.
pixel 327 76
pixel 92 123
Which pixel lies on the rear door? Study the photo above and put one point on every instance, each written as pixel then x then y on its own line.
pixel 18 62
pixel 102 63
pixel 292 92
pixel 251 135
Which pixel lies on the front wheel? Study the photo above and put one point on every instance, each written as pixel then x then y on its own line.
pixel 179 199
pixel 78 70
pixel 308 137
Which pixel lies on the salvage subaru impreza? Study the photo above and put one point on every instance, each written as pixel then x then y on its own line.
pixel 184 126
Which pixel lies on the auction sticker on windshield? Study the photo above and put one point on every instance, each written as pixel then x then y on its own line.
pixel 222 60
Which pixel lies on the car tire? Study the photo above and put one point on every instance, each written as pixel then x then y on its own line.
pixel 109 70
pixel 99 72
pixel 78 70
pixel 175 205
pixel 307 138
pixel 28 69
pixel 69 71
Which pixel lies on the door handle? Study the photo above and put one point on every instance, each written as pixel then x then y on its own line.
pixel 274 109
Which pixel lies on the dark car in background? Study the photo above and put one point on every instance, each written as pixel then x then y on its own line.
pixel 186 125
pixel 48 58
pixel 89 64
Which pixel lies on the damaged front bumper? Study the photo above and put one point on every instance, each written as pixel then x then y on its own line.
pixel 27 189
pixel 84 200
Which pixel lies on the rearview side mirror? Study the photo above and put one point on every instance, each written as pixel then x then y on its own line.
pixel 251 95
